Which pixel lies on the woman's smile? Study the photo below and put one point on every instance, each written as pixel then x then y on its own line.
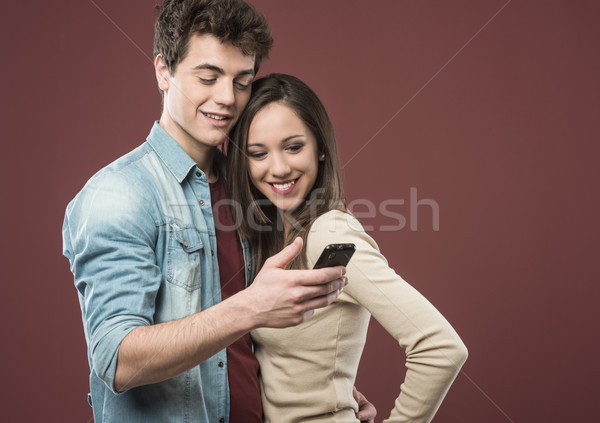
pixel 284 187
pixel 283 156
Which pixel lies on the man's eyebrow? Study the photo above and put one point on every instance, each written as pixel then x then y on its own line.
pixel 221 71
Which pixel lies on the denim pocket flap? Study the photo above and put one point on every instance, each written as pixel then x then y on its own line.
pixel 185 257
pixel 189 239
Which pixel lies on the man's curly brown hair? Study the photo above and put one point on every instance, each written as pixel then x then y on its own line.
pixel 233 21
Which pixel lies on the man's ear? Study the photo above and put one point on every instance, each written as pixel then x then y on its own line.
pixel 162 73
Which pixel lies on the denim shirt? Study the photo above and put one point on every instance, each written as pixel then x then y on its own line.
pixel 141 242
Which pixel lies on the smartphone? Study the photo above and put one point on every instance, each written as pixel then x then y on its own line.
pixel 335 255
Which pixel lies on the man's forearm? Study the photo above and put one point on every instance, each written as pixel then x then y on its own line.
pixel 150 354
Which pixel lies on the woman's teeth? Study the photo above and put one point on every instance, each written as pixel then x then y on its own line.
pixel 284 186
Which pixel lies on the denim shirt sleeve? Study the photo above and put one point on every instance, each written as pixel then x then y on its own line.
pixel 109 237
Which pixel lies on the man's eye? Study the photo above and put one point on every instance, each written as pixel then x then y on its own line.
pixel 206 80
pixel 242 86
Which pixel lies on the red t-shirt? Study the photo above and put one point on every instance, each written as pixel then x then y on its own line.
pixel 242 365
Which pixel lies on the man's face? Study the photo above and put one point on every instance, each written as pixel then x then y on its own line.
pixel 206 94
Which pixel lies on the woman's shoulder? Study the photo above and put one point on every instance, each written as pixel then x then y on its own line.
pixel 335 221
pixel 333 227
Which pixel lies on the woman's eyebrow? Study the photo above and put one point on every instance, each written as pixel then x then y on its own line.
pixel 291 137
pixel 286 139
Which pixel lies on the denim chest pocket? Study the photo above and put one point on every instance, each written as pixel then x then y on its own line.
pixel 184 257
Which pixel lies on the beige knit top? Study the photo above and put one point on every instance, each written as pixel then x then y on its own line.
pixel 308 371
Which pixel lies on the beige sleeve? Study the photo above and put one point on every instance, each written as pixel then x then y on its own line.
pixel 434 351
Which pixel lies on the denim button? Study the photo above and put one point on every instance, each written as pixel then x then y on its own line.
pixel 198 174
pixel 222 420
pixel 221 364
pixel 201 202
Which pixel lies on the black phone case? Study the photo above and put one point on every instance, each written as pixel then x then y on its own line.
pixel 335 255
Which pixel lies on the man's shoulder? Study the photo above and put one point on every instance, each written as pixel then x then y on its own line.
pixel 128 178
pixel 137 170
pixel 127 166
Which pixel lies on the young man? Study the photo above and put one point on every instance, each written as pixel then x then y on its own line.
pixel 161 288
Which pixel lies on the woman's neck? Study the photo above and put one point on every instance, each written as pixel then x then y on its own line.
pixel 287 226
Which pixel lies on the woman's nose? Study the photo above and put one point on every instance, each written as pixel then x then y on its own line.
pixel 279 167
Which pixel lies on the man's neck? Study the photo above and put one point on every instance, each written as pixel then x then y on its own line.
pixel 203 155
pixel 207 164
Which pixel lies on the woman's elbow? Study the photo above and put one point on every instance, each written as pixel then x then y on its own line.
pixel 462 353
pixel 456 351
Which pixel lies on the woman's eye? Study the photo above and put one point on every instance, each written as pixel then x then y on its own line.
pixel 295 147
pixel 256 154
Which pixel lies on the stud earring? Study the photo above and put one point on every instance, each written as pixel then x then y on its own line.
pixel 322 157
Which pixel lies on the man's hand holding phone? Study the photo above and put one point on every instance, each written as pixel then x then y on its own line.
pixel 282 298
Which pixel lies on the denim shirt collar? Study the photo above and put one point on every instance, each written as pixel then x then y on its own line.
pixel 174 156
pixel 170 152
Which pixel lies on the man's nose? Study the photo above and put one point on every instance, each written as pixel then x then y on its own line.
pixel 224 93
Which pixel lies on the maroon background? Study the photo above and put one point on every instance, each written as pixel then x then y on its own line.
pixel 502 134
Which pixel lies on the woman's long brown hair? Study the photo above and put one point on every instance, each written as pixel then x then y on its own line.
pixel 257 218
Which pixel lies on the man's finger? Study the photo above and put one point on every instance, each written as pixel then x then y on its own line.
pixel 367 411
pixel 322 300
pixel 324 289
pixel 322 276
pixel 285 256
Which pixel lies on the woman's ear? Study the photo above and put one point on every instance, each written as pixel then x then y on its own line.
pixel 162 73
pixel 322 157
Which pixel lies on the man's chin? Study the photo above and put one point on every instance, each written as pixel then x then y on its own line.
pixel 216 141
pixel 218 138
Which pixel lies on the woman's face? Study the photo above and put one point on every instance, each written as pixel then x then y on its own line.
pixel 283 156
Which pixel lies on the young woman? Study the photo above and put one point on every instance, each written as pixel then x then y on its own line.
pixel 284 178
